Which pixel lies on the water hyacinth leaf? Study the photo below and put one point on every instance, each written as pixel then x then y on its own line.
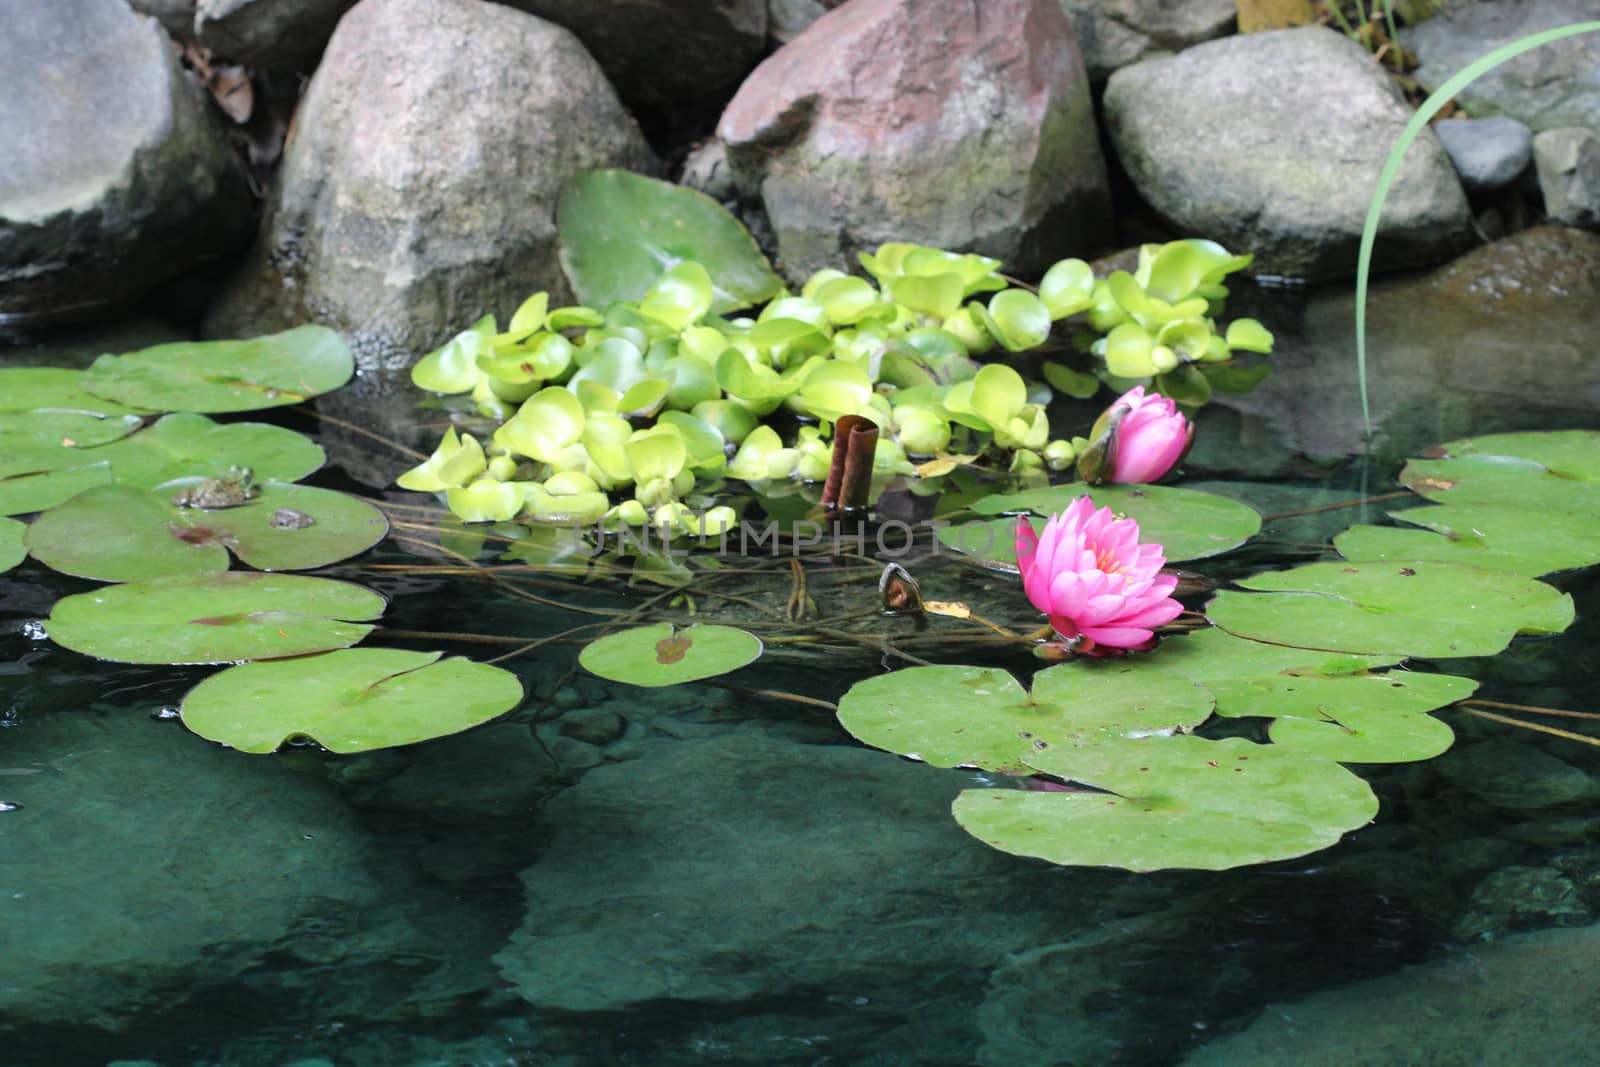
pixel 1021 319
pixel 1419 608
pixel 59 388
pixel 1184 384
pixel 453 367
pixel 1366 735
pixel 936 294
pixel 12 550
pixel 680 296
pixel 665 654
pixel 1170 802
pixel 1188 524
pixel 1129 351
pixel 214 618
pixel 1080 385
pixel 619 231
pixel 546 423
pixel 351 700
pixel 62 429
pixel 1067 288
pixel 217 376
pixel 1248 335
pixel 950 716
pixel 998 393
pixel 1181 267
pixel 1481 535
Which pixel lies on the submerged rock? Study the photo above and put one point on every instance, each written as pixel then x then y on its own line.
pixel 1521 898
pixel 1555 84
pixel 116 175
pixel 1527 999
pixel 1487 153
pixel 977 135
pixel 1568 159
pixel 407 206
pixel 1115 33
pixel 1272 142
pixel 1516 775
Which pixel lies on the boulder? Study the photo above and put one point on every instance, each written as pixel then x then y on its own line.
pixel 1271 143
pixel 116 175
pixel 1568 162
pixel 1488 153
pixel 407 206
pixel 666 57
pixel 1553 85
pixel 1116 33
pixel 176 15
pixel 268 34
pixel 978 135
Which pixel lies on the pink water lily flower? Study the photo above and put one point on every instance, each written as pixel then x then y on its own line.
pixel 1098 584
pixel 1151 438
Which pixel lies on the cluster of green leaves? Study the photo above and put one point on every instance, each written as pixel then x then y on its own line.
pixel 161 502
pixel 1318 651
pixel 654 391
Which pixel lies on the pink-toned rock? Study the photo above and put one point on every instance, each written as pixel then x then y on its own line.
pixel 963 126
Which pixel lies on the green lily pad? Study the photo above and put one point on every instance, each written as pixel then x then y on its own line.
pixel 950 716
pixel 1481 535
pixel 664 654
pixel 119 533
pixel 620 231
pixel 25 493
pixel 353 700
pixel 216 376
pixel 1544 472
pixel 214 618
pixel 1186 523
pixel 1420 608
pixel 62 429
pixel 12 550
pixel 1173 802
pixel 1366 735
pixel 60 388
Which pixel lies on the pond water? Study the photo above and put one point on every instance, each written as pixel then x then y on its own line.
pixel 710 875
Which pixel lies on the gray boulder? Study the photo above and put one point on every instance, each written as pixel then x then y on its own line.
pixel 409 204
pixel 1487 153
pixel 1568 162
pixel 1116 33
pixel 115 175
pixel 268 34
pixel 1554 85
pixel 176 15
pixel 1271 143
pixel 978 136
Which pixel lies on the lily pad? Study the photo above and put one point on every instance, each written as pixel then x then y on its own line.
pixel 1186 523
pixel 59 388
pixel 1173 802
pixel 214 618
pixel 25 493
pixel 353 700
pixel 1482 535
pixel 12 550
pixel 119 533
pixel 216 376
pixel 1366 735
pixel 1547 472
pixel 62 429
pixel 950 716
pixel 1419 608
pixel 621 231
pixel 667 655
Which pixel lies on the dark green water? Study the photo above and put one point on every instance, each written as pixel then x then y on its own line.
pixel 701 876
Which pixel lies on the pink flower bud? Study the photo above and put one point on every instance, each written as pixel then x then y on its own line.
pixel 1150 437
pixel 1090 574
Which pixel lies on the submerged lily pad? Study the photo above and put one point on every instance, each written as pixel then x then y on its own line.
pixel 119 533
pixel 60 388
pixel 664 654
pixel 952 716
pixel 1186 523
pixel 1483 535
pixel 1173 802
pixel 12 550
pixel 1420 608
pixel 217 376
pixel 621 231
pixel 214 618
pixel 353 700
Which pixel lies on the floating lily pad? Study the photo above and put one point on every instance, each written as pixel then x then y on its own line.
pixel 621 231
pixel 217 376
pixel 12 550
pixel 62 429
pixel 353 700
pixel 1187 524
pixel 61 388
pixel 25 493
pixel 1420 608
pixel 667 655
pixel 952 716
pixel 1557 472
pixel 214 618
pixel 1366 735
pixel 119 533
pixel 1482 535
pixel 1173 802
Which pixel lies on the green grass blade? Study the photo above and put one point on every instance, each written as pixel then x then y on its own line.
pixel 1391 168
